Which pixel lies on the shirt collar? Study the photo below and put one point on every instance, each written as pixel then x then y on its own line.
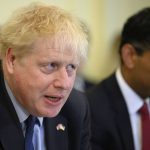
pixel 133 100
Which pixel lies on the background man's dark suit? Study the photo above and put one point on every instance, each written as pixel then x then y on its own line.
pixel 111 128
pixel 74 116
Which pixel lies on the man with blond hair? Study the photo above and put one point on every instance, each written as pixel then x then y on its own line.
pixel 41 48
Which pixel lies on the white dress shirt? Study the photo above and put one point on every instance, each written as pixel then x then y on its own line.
pixel 134 103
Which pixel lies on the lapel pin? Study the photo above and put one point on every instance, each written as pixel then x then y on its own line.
pixel 60 127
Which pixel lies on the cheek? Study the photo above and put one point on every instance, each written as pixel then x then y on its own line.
pixel 142 74
pixel 71 85
pixel 72 80
pixel 27 83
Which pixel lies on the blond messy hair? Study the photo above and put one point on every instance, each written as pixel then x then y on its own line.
pixel 37 21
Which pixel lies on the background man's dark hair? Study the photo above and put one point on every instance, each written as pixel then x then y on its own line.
pixel 136 31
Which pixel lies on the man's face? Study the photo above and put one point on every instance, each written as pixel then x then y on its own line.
pixel 43 80
pixel 141 74
pixel 136 70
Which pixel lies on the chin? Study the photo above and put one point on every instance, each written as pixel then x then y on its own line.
pixel 52 113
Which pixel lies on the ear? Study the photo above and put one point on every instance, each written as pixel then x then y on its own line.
pixel 128 55
pixel 10 57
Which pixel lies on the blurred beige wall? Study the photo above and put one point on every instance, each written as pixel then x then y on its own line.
pixel 104 19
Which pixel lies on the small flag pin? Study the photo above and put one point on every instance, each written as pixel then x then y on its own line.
pixel 60 127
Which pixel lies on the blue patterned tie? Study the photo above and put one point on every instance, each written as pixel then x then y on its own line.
pixel 30 122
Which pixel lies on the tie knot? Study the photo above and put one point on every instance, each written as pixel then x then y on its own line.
pixel 30 122
pixel 144 110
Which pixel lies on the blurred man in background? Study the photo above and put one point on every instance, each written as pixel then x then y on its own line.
pixel 116 102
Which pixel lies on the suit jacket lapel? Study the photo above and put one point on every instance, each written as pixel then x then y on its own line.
pixel 56 138
pixel 121 115
pixel 11 136
pixel 125 130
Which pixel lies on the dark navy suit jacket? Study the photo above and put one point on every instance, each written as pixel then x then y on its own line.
pixel 110 123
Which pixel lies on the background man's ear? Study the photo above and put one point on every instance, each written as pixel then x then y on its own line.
pixel 128 55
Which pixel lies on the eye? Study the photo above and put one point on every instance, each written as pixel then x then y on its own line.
pixel 49 68
pixel 71 68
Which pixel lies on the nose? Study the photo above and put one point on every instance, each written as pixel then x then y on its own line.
pixel 62 80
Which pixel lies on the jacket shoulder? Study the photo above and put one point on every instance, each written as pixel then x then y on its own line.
pixel 76 105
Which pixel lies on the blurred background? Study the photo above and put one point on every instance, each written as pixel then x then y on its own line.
pixel 104 19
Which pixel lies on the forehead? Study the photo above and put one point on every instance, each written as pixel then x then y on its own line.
pixel 52 48
pixel 53 43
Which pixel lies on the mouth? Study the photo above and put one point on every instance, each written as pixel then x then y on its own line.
pixel 54 100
